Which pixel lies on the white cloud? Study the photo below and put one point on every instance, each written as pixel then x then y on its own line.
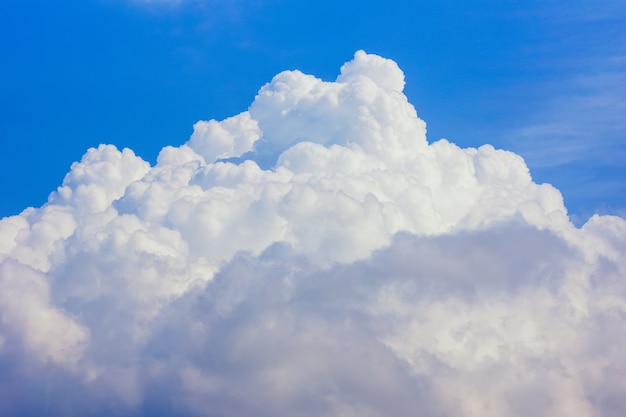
pixel 314 255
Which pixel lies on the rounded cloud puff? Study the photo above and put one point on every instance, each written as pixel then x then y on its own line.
pixel 384 72
pixel 314 255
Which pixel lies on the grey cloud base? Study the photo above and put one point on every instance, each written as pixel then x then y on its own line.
pixel 364 272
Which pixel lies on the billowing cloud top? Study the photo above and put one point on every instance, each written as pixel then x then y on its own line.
pixel 314 255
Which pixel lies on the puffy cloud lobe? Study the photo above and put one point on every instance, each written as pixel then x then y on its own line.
pixel 314 255
pixel 384 72
pixel 231 137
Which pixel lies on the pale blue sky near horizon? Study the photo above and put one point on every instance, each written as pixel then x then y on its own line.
pixel 545 79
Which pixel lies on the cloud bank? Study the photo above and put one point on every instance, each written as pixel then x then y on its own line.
pixel 314 255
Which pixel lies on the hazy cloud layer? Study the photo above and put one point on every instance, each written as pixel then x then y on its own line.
pixel 314 255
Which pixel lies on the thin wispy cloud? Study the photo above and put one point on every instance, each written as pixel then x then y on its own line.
pixel 587 120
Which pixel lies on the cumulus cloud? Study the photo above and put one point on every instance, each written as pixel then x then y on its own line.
pixel 314 255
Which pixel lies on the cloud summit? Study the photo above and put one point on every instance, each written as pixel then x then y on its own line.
pixel 312 256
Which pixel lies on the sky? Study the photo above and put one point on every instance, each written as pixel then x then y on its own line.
pixel 250 208
pixel 541 78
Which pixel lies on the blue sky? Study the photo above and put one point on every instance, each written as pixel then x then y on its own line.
pixel 542 78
